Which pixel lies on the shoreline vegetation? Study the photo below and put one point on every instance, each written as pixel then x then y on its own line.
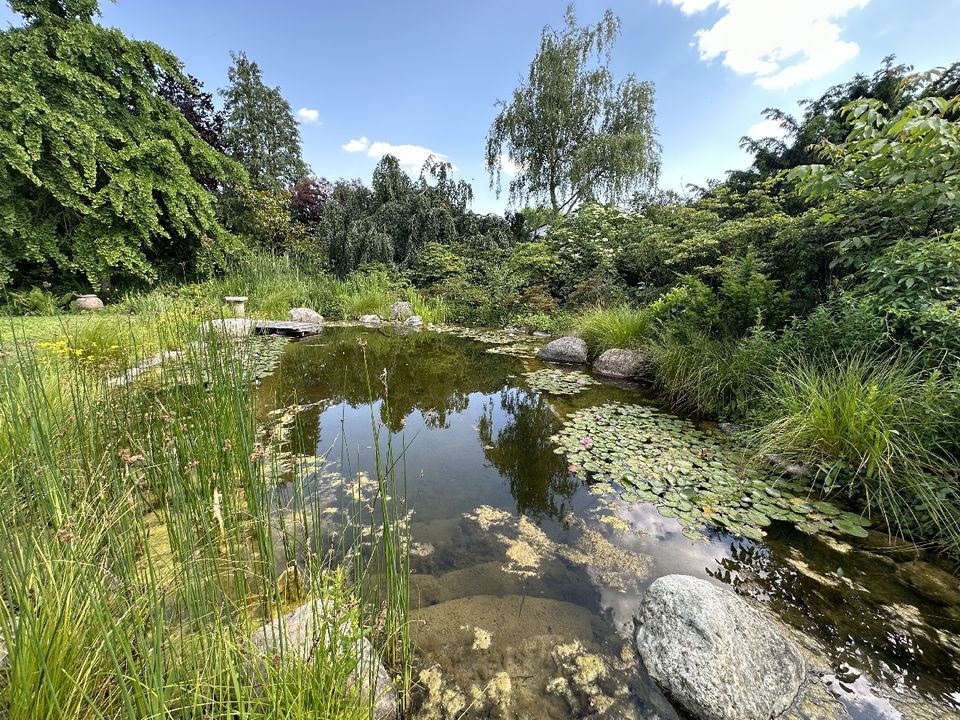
pixel 151 528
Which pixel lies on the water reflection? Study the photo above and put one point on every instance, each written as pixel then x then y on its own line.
pixel 517 443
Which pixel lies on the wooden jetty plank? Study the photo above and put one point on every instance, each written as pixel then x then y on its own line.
pixel 287 328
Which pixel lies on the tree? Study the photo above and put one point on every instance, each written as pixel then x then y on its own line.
pixel 98 172
pixel 195 105
pixel 261 131
pixel 571 132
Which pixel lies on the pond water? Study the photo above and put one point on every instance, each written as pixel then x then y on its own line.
pixel 525 583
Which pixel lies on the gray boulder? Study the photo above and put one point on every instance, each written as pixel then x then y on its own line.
pixel 370 319
pixel 567 349
pixel 619 363
pixel 298 634
pixel 714 654
pixel 401 310
pixel 305 315
pixel 414 320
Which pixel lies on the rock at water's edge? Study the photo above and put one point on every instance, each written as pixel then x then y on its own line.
pixel 414 320
pixel 715 655
pixel 401 310
pixel 567 349
pixel 620 363
pixel 370 319
pixel 297 634
pixel 305 315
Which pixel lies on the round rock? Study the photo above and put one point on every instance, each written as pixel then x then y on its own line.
pixel 414 320
pixel 566 349
pixel 716 655
pixel 370 319
pixel 401 310
pixel 305 315
pixel 619 363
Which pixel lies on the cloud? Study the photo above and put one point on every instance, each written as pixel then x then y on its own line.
pixel 767 129
pixel 781 43
pixel 356 145
pixel 308 115
pixel 508 166
pixel 410 157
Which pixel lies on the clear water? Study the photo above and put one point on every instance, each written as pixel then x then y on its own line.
pixel 476 438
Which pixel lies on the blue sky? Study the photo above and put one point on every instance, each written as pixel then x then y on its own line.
pixel 413 77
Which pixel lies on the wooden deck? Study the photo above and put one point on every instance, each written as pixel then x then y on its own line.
pixel 286 328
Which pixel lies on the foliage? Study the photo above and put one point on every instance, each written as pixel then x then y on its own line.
pixel 558 382
pixel 692 475
pixel 896 175
pixel 711 377
pixel 99 174
pixel 261 131
pixel 196 106
pixel 308 198
pixel 617 327
pixel 876 429
pixel 570 132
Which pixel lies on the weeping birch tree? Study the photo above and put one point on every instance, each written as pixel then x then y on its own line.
pixel 571 133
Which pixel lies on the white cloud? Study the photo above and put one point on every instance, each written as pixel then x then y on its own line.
pixel 356 145
pixel 780 42
pixel 508 166
pixel 767 129
pixel 308 115
pixel 410 157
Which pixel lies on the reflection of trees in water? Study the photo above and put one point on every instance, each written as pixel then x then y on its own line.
pixel 432 373
pixel 852 625
pixel 522 452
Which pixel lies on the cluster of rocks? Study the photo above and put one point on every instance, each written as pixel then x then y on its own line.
pixel 400 312
pixel 614 363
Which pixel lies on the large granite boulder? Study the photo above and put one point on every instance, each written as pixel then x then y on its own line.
pixel 566 349
pixel 401 310
pixel 305 315
pixel 620 363
pixel 297 636
pixel 370 319
pixel 717 656
pixel 414 320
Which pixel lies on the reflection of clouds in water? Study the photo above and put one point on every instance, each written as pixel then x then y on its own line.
pixel 862 700
pixel 652 534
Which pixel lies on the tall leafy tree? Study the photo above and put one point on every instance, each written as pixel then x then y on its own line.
pixel 98 172
pixel 571 132
pixel 261 131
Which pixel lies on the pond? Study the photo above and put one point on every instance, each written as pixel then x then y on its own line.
pixel 525 582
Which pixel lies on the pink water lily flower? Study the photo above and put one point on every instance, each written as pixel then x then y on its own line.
pixel 586 442
pixel 581 381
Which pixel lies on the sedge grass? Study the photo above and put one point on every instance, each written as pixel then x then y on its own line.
pixel 618 327
pixel 140 546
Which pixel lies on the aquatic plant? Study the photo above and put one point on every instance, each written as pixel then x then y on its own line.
pixel 692 475
pixel 558 382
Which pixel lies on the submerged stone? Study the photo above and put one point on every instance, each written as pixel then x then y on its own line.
pixel 934 584
pixel 717 656
pixel 297 636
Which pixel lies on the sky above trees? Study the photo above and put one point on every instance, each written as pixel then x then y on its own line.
pixel 366 79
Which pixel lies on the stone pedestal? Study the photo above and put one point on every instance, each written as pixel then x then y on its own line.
pixel 239 304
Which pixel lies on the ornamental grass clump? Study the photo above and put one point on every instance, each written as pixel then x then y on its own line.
pixel 617 327
pixel 876 429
